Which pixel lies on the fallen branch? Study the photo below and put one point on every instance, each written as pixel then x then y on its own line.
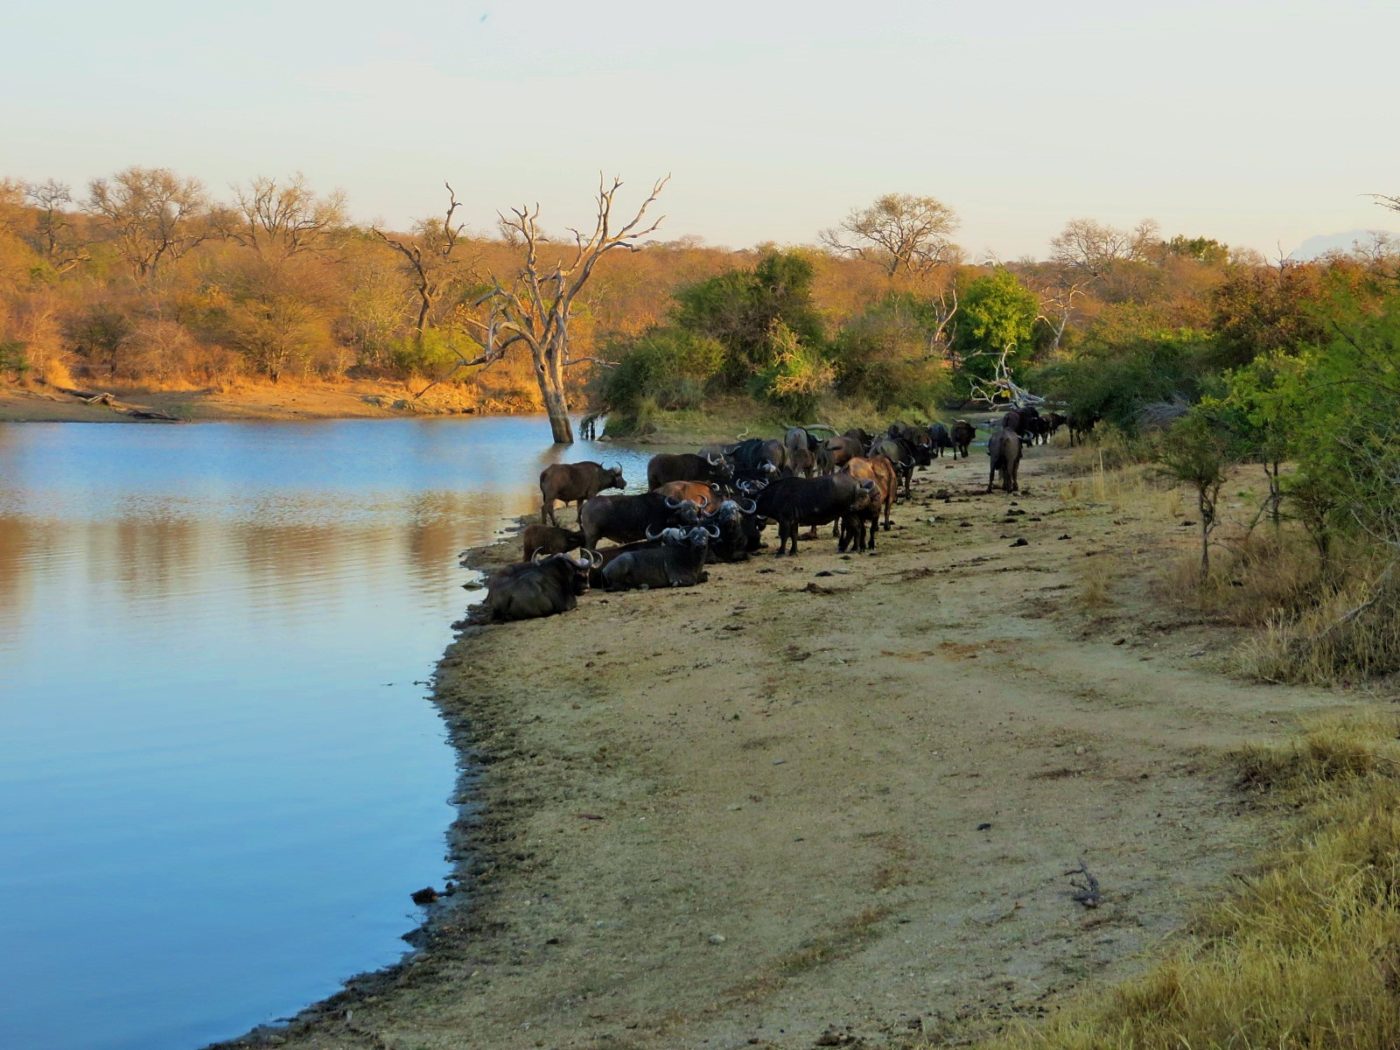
pixel 1088 893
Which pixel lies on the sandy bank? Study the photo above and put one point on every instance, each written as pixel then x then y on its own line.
pixel 831 796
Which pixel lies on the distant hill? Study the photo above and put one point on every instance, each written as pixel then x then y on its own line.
pixel 1323 243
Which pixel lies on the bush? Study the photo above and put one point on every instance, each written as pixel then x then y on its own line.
pixel 14 362
pixel 883 357
pixel 664 368
pixel 798 377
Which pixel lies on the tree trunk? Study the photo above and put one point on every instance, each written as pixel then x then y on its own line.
pixel 549 373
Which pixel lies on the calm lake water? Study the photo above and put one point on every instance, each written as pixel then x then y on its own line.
pixel 220 777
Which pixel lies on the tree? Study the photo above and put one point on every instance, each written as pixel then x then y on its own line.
pixel 152 214
pixel 998 315
pixel 899 232
pixel 1195 453
pixel 280 221
pixel 740 308
pixel 56 236
pixel 534 311
pixel 1093 247
pixel 429 259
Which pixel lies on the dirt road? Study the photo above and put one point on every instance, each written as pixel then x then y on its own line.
pixel 832 798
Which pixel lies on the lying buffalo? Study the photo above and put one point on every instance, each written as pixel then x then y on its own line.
pixel 962 433
pixel 1004 451
pixel 793 502
pixel 677 561
pixel 574 483
pixel 624 519
pixel 706 497
pixel 686 466
pixel 550 539
pixel 543 586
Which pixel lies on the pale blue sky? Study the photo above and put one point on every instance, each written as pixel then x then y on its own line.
pixel 1258 123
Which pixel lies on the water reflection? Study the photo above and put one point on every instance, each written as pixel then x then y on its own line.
pixel 218 780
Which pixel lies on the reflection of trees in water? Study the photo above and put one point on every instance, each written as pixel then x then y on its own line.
pixel 291 569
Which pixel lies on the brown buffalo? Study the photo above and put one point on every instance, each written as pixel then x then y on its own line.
pixel 702 495
pixel 574 483
pixel 548 538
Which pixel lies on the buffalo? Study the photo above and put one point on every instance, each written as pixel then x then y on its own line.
pixel 624 519
pixel 758 459
pixel 881 471
pixel 800 448
pixel 678 561
pixel 1004 451
pixel 962 433
pixel 550 539
pixel 844 449
pixel 706 497
pixel 1079 427
pixel 793 502
pixel 687 466
pixel 939 439
pixel 543 586
pixel 575 483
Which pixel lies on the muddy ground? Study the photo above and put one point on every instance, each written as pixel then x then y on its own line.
pixel 834 800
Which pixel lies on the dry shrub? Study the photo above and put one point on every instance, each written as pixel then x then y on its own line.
pixel 1307 953
pixel 1109 449
pixel 1262 577
pixel 1094 582
pixel 1351 634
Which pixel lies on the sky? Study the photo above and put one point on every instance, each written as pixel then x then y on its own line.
pixel 1260 124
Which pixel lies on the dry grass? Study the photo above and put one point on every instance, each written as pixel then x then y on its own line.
pixel 1307 954
pixel 1350 635
pixel 1255 577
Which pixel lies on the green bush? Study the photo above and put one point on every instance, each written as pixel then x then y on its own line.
pixel 664 368
pixel 882 356
pixel 798 377
pixel 14 361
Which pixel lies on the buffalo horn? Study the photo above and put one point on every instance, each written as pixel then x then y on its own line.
pixel 713 530
pixel 751 508
pixel 594 558
pixel 539 555
pixel 674 503
pixel 652 535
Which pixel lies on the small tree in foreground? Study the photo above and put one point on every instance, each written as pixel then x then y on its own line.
pixel 1195 452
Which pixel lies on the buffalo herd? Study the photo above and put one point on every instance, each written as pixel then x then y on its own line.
pixel 714 505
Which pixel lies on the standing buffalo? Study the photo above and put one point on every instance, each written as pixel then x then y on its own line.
pixel 549 539
pixel 881 471
pixel 903 455
pixel 844 449
pixel 963 433
pixel 1080 426
pixel 800 448
pixel 575 483
pixel 793 502
pixel 758 459
pixel 543 586
pixel 940 439
pixel 1004 451
pixel 679 561
pixel 687 466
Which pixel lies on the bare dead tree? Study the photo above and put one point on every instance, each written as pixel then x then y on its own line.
pixel 1057 308
pixel 428 257
pixel 1000 388
pixel 533 311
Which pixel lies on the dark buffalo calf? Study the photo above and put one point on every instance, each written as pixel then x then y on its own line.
pixel 550 539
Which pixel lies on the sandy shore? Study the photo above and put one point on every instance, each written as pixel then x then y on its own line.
pixel 832 798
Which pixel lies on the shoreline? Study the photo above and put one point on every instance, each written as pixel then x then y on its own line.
pixel 543 827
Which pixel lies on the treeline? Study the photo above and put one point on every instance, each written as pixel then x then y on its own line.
pixel 146 278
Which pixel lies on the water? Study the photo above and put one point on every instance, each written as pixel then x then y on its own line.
pixel 220 778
